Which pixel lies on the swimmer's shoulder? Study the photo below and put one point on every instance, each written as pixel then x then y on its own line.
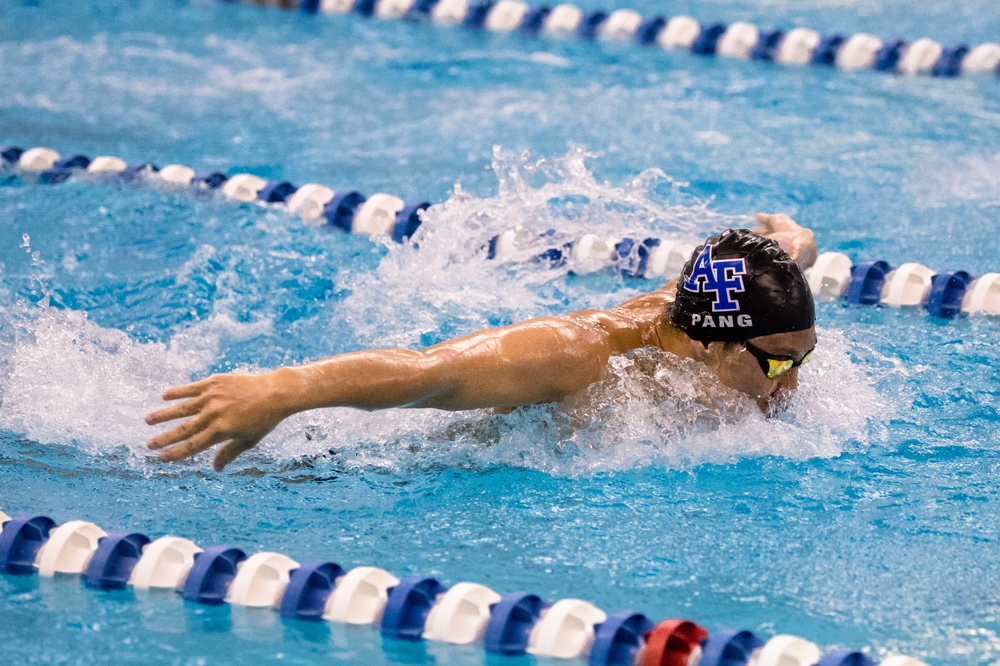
pixel 638 322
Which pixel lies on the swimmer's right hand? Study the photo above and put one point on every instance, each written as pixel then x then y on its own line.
pixel 235 410
pixel 794 239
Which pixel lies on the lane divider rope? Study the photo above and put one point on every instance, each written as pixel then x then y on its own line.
pixel 413 608
pixel 944 294
pixel 798 46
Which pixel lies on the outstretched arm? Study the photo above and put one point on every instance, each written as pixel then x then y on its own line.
pixel 540 360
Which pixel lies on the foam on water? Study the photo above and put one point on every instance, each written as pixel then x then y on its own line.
pixel 68 380
pixel 65 379
pixel 446 282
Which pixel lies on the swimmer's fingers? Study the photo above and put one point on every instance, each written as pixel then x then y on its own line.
pixel 185 430
pixel 189 408
pixel 230 450
pixel 763 221
pixel 191 390
pixel 774 222
pixel 198 443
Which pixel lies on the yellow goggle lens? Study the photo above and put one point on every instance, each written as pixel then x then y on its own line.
pixel 776 368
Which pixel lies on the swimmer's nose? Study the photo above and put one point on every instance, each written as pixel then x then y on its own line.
pixel 783 388
pixel 789 381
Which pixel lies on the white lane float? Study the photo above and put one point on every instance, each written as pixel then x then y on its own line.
pixel 506 15
pixel 377 214
pixel 566 630
pixel 308 201
pixel 564 18
pixel 461 614
pixel 177 174
pixel 261 580
pixel 901 661
pixel 38 159
pixel 107 164
pixel 69 548
pixel 243 187
pixel 679 33
pixel 983 295
pixel 787 650
pixel 829 276
pixel 504 245
pixel 920 57
pixel 667 259
pixel 738 41
pixel 164 564
pixel 858 52
pixel 621 25
pixel 392 9
pixel 592 253
pixel 984 59
pixel 360 596
pixel 336 6
pixel 797 47
pixel 450 12
pixel 907 285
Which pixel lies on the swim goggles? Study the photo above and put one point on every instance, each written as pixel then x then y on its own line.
pixel 775 365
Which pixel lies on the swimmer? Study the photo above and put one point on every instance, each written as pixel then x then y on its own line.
pixel 741 306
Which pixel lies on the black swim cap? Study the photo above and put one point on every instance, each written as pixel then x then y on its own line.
pixel 740 285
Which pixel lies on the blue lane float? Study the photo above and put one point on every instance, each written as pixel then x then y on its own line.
pixel 618 639
pixel 414 608
pixel 21 539
pixel 309 588
pixel 112 563
pixel 729 647
pixel 867 280
pixel 407 607
pixel 211 575
pixel 511 621
pixel 799 46
pixel 943 294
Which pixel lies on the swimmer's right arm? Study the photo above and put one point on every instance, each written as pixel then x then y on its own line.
pixel 536 361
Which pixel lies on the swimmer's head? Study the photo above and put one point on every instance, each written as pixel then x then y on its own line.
pixel 740 285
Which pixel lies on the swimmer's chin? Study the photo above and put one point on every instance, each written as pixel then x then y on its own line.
pixel 775 404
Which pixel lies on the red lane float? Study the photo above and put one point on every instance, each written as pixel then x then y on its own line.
pixel 673 642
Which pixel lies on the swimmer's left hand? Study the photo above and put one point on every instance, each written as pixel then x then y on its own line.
pixel 796 240
pixel 235 410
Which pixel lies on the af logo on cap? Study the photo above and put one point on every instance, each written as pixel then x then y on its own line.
pixel 722 277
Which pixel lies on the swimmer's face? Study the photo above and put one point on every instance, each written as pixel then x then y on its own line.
pixel 740 369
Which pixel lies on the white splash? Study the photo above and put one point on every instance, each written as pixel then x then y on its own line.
pixel 65 379
pixel 443 278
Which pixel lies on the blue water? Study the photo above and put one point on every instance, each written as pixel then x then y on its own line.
pixel 867 516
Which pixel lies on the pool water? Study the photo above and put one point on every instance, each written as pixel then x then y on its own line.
pixel 867 516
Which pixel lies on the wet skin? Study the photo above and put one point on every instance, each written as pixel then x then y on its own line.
pixel 540 360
